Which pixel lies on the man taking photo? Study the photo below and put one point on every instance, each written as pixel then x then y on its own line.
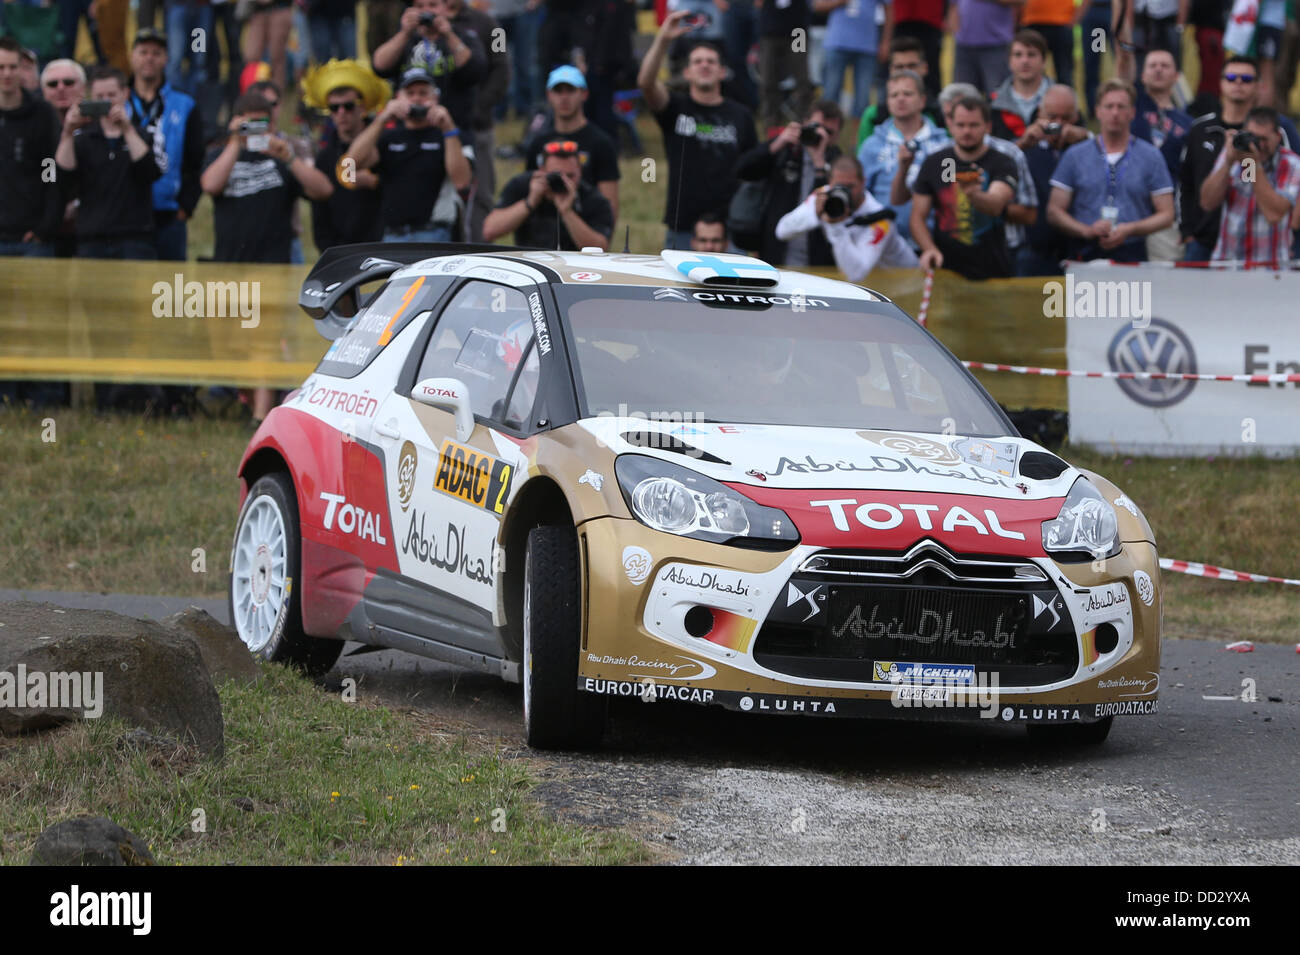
pixel 552 207
pixel 453 56
pixel 566 92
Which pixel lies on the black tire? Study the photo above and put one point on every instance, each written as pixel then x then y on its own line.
pixel 1079 734
pixel 273 494
pixel 556 714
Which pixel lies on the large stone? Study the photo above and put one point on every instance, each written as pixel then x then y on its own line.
pixel 224 654
pixel 137 670
pixel 96 841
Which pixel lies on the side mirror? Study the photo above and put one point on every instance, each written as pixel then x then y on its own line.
pixel 449 394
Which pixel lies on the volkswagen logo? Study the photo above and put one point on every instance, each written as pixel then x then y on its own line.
pixel 1160 347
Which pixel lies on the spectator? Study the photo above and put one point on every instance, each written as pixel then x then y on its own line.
pixel 173 126
pixel 452 56
pixel 779 59
pixel 611 65
pixel 862 236
pixel 350 92
pixel 520 20
pixel 1016 101
pixel 1054 21
pixel 413 160
pixel 1097 26
pixel 333 26
pixel 1268 47
pixel 793 170
pixel 1056 128
pixel 64 83
pixel 904 54
pixel 1111 192
pixel 266 35
pixel 113 169
pixel 384 19
pixel 983 37
pixel 852 41
pixel 709 234
pixel 969 185
pixel 1238 88
pixel 71 13
pixel 223 16
pixel 1209 18
pixel 740 33
pixel 704 133
pixel 1255 207
pixel 552 207
pixel 1147 25
pixel 29 76
pixel 183 17
pixel 562 38
pixel 906 138
pixel 490 92
pixel 922 21
pixel 30 206
pixel 566 91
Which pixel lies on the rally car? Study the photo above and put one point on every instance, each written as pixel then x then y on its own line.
pixel 683 479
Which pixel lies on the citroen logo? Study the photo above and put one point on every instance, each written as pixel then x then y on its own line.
pixel 672 293
pixel 1160 347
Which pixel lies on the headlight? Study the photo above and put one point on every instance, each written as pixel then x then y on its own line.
pixel 1086 527
pixel 677 500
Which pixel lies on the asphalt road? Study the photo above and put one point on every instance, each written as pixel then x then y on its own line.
pixel 1205 781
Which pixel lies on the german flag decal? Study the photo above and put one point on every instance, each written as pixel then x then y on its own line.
pixel 473 477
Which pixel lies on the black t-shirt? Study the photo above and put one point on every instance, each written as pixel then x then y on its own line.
pixel 702 144
pixel 457 85
pixel 412 167
pixel 347 216
pixel 973 244
pixel 252 216
pixel 596 151
pixel 115 192
pixel 539 228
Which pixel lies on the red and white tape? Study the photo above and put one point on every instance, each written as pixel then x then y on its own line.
pixel 925 296
pixel 1222 573
pixel 1181 376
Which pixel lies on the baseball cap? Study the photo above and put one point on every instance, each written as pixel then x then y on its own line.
pixel 149 35
pixel 416 74
pixel 566 74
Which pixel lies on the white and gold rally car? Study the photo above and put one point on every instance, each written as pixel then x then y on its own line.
pixel 686 479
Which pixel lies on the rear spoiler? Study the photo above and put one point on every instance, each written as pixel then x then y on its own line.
pixel 331 292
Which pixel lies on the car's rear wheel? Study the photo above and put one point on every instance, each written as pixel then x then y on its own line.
pixel 556 714
pixel 1080 734
pixel 266 582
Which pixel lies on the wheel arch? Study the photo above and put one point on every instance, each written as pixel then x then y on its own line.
pixel 540 502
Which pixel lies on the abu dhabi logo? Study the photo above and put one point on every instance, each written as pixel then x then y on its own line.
pixel 1160 347
pixel 677 295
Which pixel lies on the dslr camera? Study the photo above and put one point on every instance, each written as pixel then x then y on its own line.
pixel 810 134
pixel 1243 141
pixel 418 110
pixel 1053 129
pixel 838 202
pixel 426 19
pixel 557 184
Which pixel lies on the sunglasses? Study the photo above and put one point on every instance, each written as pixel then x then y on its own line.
pixel 346 107
pixel 65 81
pixel 1239 77
pixel 566 148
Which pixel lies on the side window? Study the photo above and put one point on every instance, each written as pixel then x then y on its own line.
pixel 524 396
pixel 374 326
pixel 481 337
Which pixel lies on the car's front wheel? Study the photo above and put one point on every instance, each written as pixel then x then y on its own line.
pixel 556 714
pixel 266 583
pixel 1079 734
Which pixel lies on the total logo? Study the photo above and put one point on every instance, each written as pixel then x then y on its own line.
pixel 438 392
pixel 353 520
pixel 883 517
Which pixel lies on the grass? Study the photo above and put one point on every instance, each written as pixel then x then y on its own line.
pixel 320 781
pixel 119 503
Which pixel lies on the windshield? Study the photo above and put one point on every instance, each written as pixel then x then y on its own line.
pixel 742 358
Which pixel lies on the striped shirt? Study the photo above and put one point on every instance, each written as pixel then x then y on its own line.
pixel 1245 234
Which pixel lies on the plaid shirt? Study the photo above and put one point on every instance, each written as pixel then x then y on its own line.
pixel 1245 234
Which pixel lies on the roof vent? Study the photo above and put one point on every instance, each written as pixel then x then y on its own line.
pixel 723 269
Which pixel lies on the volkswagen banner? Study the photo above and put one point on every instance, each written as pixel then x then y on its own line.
pixel 1181 321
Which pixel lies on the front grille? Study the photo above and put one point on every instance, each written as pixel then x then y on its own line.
pixel 926 558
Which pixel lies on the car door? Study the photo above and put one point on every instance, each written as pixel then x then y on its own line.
pixel 448 492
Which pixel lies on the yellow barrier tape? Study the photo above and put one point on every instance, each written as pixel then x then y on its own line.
pixel 203 323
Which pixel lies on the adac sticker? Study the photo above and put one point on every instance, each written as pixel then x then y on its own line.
pixel 472 476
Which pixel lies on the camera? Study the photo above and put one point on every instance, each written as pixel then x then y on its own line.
pixel 1053 129
pixel 838 199
pixel 697 20
pixel 1243 141
pixel 810 134
pixel 913 146
pixel 417 110
pixel 95 108
pixel 426 19
pixel 257 134
pixel 557 183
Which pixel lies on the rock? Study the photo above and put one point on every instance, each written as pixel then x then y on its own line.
pixel 242 803
pixel 224 654
pixel 86 841
pixel 140 738
pixel 106 664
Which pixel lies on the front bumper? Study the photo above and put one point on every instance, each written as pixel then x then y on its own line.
pixel 921 635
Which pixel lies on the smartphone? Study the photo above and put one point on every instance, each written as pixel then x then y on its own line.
pixel 95 108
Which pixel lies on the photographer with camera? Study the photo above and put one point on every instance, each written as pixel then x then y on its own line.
pixel 114 169
pixel 791 165
pixel 860 231
pixel 453 56
pixel 552 207
pixel 413 160
pixel 1055 129
pixel 1254 183
pixel 969 185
